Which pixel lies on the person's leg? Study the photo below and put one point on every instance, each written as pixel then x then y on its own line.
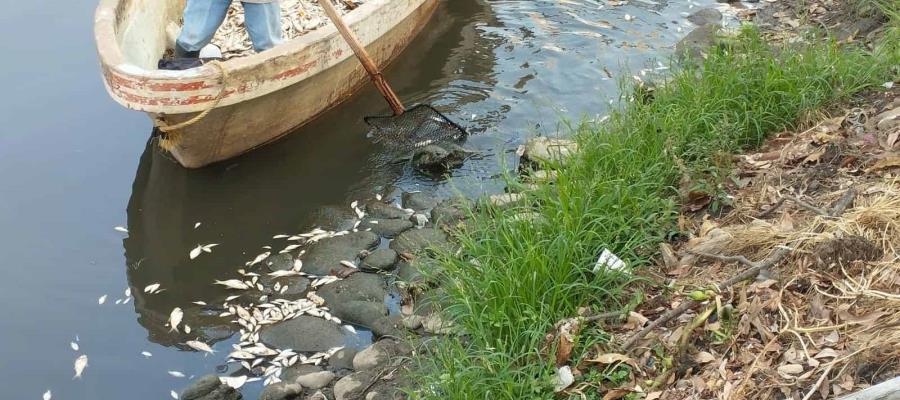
pixel 201 20
pixel 263 21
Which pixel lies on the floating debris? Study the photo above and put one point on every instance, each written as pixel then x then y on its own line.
pixel 80 364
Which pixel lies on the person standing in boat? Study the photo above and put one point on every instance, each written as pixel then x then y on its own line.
pixel 203 17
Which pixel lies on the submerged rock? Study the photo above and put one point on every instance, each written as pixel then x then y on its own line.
pixel 280 262
pixel 438 159
pixel 418 240
pixel 358 299
pixel 325 257
pixel 406 272
pixel 380 260
pixel 447 215
pixel 363 313
pixel 388 228
pixel 418 201
pixel 305 333
pixel 209 387
pixel 390 325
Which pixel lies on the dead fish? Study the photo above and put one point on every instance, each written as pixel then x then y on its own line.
pixel 147 354
pixel 350 329
pixel 199 303
pixel 80 364
pixel 195 252
pixel 283 273
pixel 187 329
pixel 197 225
pixel 175 319
pixel 74 346
pixel 118 301
pixel 279 236
pixel 177 374
pixel 151 288
pixel 207 248
pixel 173 394
pixel 234 381
pixel 233 284
pixel 48 395
pixel 101 300
pixel 348 264
pixel 128 292
pixel 259 259
pixel 354 204
pixel 121 229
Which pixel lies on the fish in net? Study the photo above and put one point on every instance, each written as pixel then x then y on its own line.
pixel 415 128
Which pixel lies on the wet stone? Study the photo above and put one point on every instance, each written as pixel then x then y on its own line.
pixel 291 374
pixel 705 16
pixel 296 288
pixel 447 215
pixel 315 380
pixel 343 359
pixel 377 209
pixel 363 313
pixel 209 387
pixel 357 287
pixel 438 159
pixel 374 356
pixel 325 257
pixel 417 240
pixel 418 201
pixel 542 149
pixel 281 391
pixel 408 273
pixel 388 228
pixel 280 262
pixel 380 260
pixel 698 42
pixel 350 386
pixel 391 325
pixel 304 333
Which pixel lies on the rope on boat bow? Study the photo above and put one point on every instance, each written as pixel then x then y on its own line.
pixel 169 136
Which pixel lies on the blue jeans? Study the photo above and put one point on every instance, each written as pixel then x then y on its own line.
pixel 203 17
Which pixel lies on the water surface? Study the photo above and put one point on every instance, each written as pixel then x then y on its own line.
pixel 73 164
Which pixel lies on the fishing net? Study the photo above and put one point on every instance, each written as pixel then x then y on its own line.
pixel 418 127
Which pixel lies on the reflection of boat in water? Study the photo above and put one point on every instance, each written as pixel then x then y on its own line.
pixel 261 96
pixel 241 204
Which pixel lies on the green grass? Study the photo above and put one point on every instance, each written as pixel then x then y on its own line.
pixel 514 279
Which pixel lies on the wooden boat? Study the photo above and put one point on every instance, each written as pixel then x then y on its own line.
pixel 250 100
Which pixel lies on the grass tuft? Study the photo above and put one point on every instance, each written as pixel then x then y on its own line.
pixel 514 279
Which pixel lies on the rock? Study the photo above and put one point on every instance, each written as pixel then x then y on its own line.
pixel 542 150
pixel 388 228
pixel 380 260
pixel 419 220
pixel 357 287
pixel 343 359
pixel 326 256
pixel 209 387
pixel 317 396
pixel 377 209
pixel 413 322
pixel 506 199
pixel 418 240
pixel 409 274
pixel 280 262
pixel 705 16
pixel 391 325
pixel 281 391
pixel 296 287
pixel 347 388
pixel 436 325
pixel 418 201
pixel 438 159
pixel 304 334
pixel 447 215
pixel 379 354
pixel 315 380
pixel 698 42
pixel 291 374
pixel 363 313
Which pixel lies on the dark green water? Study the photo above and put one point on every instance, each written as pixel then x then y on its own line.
pixel 73 165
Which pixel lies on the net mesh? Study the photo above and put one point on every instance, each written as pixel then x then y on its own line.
pixel 417 127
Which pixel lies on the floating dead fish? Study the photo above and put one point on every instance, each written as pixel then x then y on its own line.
pixel 147 354
pixel 350 329
pixel 234 381
pixel 187 329
pixel 80 364
pixel 199 303
pixel 348 264
pixel 378 197
pixel 259 259
pixel 195 252
pixel 207 248
pixel 128 292
pixel 173 394
pixel 73 345
pixel 230 298
pixel 280 236
pixel 354 204
pixel 241 355
pixel 127 299
pixel 101 300
pixel 177 374
pixel 200 346
pixel 121 229
pixel 291 248
pixel 118 301
pixel 151 288
pixel 233 284
pixel 175 319
pixel 197 225
pixel 48 395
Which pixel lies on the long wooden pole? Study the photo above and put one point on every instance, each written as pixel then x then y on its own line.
pixel 363 55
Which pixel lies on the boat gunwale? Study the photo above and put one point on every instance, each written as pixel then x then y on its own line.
pixel 204 81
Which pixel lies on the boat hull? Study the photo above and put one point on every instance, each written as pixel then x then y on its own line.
pixel 266 98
